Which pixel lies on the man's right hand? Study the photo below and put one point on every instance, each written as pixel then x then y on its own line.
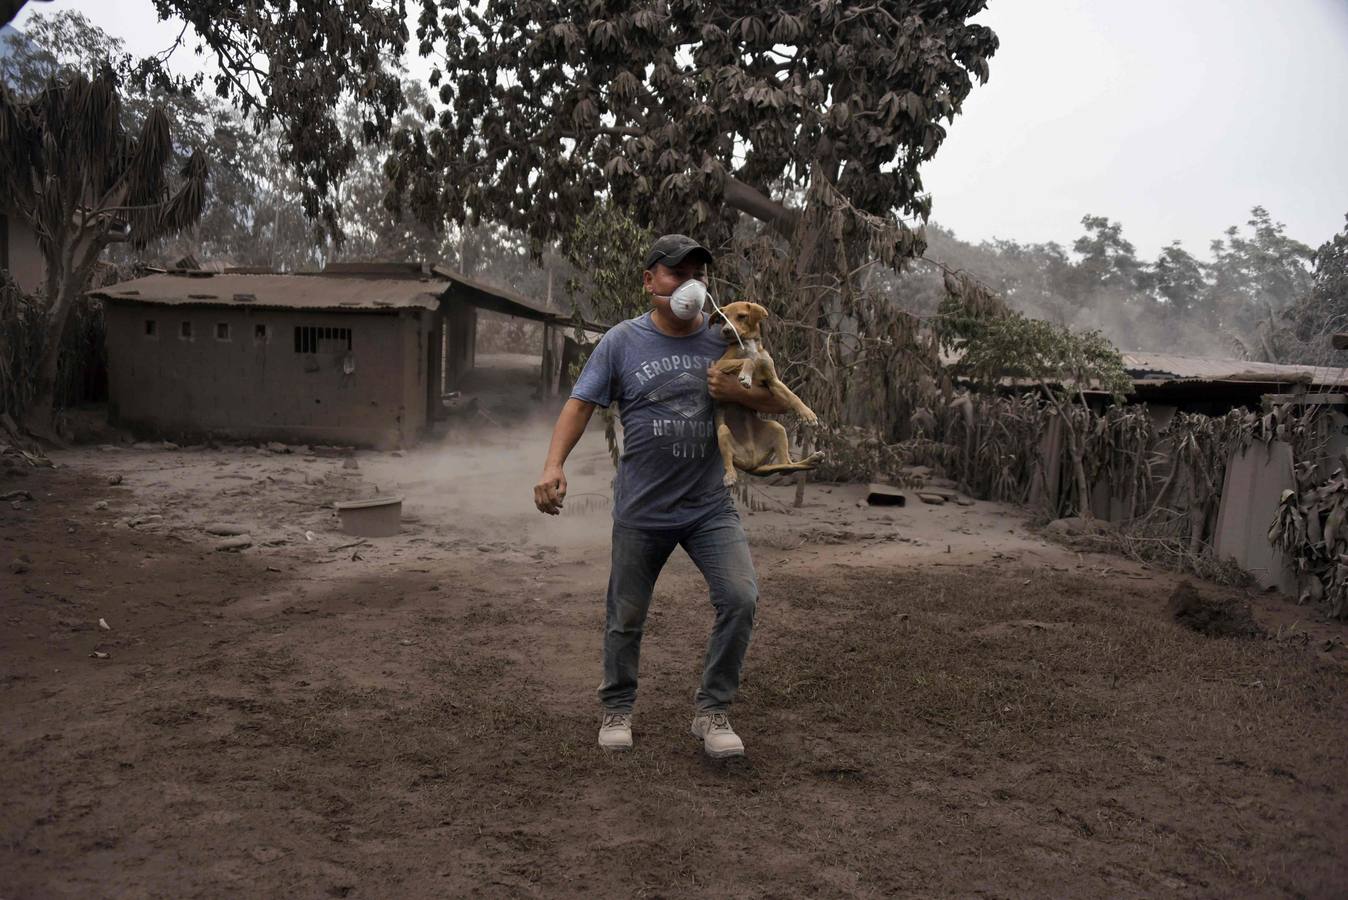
pixel 550 491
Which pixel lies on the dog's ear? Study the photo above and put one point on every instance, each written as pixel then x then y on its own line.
pixel 760 311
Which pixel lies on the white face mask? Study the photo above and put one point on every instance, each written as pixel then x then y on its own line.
pixel 686 302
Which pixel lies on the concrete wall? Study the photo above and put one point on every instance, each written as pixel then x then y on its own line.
pixel 256 388
pixel 461 341
pixel 415 369
pixel 1255 479
pixel 25 258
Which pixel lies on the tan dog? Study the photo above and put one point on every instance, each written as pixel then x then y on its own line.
pixel 754 445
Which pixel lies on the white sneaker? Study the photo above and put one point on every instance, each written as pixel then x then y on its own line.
pixel 615 732
pixel 718 738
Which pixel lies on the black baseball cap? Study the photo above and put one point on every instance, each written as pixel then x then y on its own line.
pixel 672 248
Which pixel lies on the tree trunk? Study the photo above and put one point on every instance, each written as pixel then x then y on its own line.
pixel 1075 450
pixel 67 279
pixel 1079 476
pixel 41 411
pixel 807 273
pixel 753 202
pixel 1198 520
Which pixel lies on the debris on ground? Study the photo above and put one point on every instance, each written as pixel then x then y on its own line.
pixel 999 629
pixel 1214 617
pixel 241 542
pixel 226 529
pixel 1078 526
pixel 931 498
pixel 885 495
pixel 114 480
pixel 227 668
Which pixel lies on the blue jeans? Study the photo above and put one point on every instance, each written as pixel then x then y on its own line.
pixel 719 549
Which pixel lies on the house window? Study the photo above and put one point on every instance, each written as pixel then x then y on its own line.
pixel 151 328
pixel 185 331
pixel 321 339
pixel 222 331
pixel 260 334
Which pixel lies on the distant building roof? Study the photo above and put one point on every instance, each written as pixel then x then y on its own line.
pixel 496 299
pixel 350 286
pixel 1164 368
pixel 295 291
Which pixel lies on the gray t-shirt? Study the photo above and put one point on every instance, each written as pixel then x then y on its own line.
pixel 670 472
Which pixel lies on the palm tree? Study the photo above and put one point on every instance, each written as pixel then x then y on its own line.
pixel 70 168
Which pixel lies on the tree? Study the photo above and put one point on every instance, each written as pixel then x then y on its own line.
pixel 292 65
pixel 668 108
pixel 76 175
pixel 1178 281
pixel 368 229
pixel 686 113
pixel 1035 279
pixel 602 248
pixel 1323 311
pixel 235 223
pixel 674 109
pixel 1108 260
pixel 1330 290
pixel 1256 278
pixel 63 42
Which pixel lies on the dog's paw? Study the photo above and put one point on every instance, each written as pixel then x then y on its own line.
pixel 814 458
pixel 809 417
pixel 730 479
pixel 746 381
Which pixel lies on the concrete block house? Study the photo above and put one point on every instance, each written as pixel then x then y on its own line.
pixel 358 354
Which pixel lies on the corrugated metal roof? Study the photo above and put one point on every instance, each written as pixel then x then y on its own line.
pixel 294 291
pixel 1164 368
pixel 496 299
pixel 350 286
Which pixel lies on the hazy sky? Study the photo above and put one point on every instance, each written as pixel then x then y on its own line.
pixel 1172 116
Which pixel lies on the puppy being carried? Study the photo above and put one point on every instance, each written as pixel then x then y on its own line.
pixel 748 443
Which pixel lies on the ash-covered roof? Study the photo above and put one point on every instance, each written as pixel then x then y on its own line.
pixel 294 291
pixel 496 299
pixel 1166 368
pixel 361 286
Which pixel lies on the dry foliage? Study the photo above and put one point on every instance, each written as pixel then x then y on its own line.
pixel 83 355
pixel 876 377
pixel 1311 528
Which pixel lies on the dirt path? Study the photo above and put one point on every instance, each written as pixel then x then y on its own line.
pixel 936 703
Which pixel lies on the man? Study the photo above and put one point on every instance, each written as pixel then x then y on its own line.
pixel 668 491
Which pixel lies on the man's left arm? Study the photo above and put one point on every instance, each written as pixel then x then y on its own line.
pixel 726 388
